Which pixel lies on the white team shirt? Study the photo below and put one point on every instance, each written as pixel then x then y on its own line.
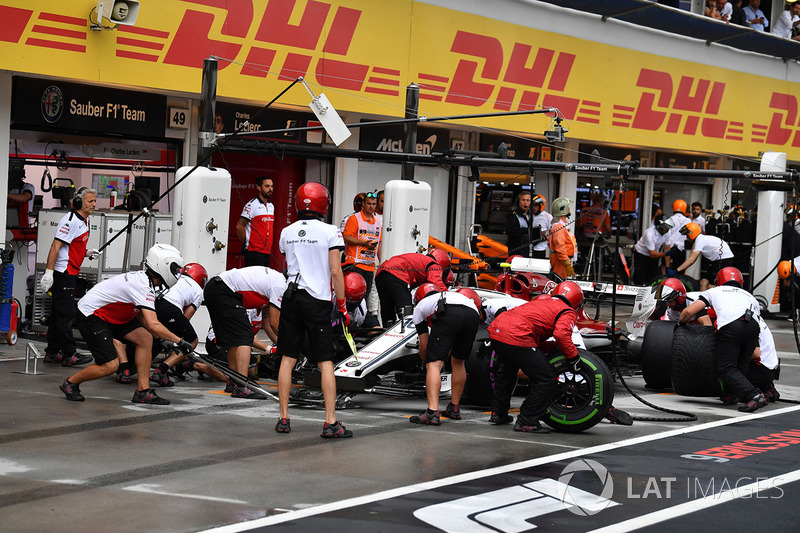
pixel 307 245
pixel 543 220
pixel 184 293
pixel 769 356
pixel 674 235
pixel 492 305
pixel 258 285
pixel 427 306
pixel 71 228
pixel 117 300
pixel 700 221
pixel 712 248
pixel 261 216
pixel 652 239
pixel 730 303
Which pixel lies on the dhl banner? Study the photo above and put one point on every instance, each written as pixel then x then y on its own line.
pixel 363 53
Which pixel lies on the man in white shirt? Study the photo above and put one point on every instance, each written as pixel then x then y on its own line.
pixel 717 251
pixel 697 216
pixel 788 20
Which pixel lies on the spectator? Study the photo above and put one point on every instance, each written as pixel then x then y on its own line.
pixel 725 10
pixel 255 225
pixel 697 216
pixel 711 10
pixel 737 13
pixel 788 20
pixel 517 224
pixel 755 17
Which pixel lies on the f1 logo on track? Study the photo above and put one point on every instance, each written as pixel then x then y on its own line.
pixel 483 513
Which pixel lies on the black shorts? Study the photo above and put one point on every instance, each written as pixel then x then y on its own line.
pixel 229 318
pixel 303 315
pixel 174 320
pixel 99 336
pixel 452 333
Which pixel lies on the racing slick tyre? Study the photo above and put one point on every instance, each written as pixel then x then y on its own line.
pixel 479 388
pixel 657 354
pixel 693 369
pixel 581 400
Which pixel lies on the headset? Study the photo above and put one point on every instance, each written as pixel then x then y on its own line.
pixel 77 200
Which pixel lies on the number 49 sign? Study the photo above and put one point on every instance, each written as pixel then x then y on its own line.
pixel 179 118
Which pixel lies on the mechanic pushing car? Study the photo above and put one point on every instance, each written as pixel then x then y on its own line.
pixel 446 323
pixel 312 250
pixel 717 251
pixel 738 318
pixel 518 336
pixel 673 300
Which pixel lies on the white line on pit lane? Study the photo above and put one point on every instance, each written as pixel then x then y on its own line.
pixel 526 441
pixel 470 476
pixel 149 488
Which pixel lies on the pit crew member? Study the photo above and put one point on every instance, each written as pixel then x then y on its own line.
pixel 400 274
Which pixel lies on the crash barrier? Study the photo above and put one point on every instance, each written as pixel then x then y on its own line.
pixel 31 354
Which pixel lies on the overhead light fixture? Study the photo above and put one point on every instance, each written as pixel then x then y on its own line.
pixel 114 12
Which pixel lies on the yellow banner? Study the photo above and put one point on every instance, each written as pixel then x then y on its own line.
pixel 363 53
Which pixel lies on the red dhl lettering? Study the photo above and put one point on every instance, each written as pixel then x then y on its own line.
pixel 749 447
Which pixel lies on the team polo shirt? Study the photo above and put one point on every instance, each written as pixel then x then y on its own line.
pixel 426 307
pixel 307 245
pixel 362 229
pixel 651 240
pixel 712 248
pixel 184 293
pixel 730 303
pixel 117 300
pixel 675 236
pixel 543 220
pixel 258 285
pixel 769 355
pixel 492 305
pixel 73 231
pixel 258 233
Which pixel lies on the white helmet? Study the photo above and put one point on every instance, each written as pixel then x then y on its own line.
pixel 166 261
pixel 560 207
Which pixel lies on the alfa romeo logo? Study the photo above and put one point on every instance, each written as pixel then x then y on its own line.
pixel 52 103
pixel 301 233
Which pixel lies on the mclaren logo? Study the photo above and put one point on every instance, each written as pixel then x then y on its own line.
pixel 512 509
pixel 395 145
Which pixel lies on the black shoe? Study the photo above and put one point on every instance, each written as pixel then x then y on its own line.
pixel 334 431
pixel 229 386
pixel 247 393
pixel 72 391
pixel 283 426
pixel 756 402
pixel 452 412
pixel 161 379
pixel 125 377
pixel 148 396
pixel 772 395
pixel 76 360
pixel 532 428
pixel 53 358
pixel 729 399
pixel 618 416
pixel 426 419
pixel 500 420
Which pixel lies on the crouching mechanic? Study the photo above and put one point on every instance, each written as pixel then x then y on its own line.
pixel 446 323
pixel 174 308
pixel 227 297
pixel 738 318
pixel 517 336
pixel 399 275
pixel 123 308
pixel 673 299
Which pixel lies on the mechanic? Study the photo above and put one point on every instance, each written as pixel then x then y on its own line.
pixel 400 274
pixel 595 218
pixel 697 216
pixel 517 337
pixel 717 251
pixel 764 365
pixel 122 309
pixel 737 333
pixel 674 245
pixel 446 323
pixel 647 251
pixel 64 260
pixel 673 299
pixel 312 250
pixel 355 291
pixel 255 225
pixel 218 352
pixel 562 243
pixel 492 307
pixel 786 269
pixel 174 308
pixel 227 298
pixel 362 239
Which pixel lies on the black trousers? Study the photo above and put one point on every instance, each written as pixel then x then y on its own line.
pixel 394 294
pixel 62 315
pixel 645 268
pixel 735 345
pixel 540 372
pixel 760 376
pixel 540 254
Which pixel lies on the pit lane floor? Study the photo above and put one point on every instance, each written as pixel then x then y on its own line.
pixel 210 461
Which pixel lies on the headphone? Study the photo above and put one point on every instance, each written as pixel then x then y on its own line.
pixel 77 200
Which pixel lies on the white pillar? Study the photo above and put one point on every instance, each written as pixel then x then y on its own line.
pixel 5 133
pixel 769 223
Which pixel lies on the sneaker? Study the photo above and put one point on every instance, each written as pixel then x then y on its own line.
pixel 618 416
pixel 426 419
pixel 500 420
pixel 148 396
pixel 283 426
pixel 72 391
pixel 532 428
pixel 756 402
pixel 772 395
pixel 334 431
pixel 729 399
pixel 161 379
pixel 125 377
pixel 229 386
pixel 76 360
pixel 452 412
pixel 247 393
pixel 53 358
